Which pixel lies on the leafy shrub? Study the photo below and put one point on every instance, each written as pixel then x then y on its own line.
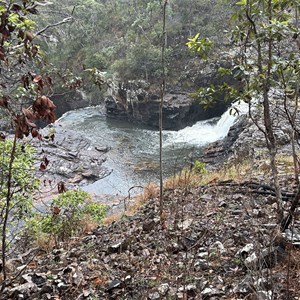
pixel 17 184
pixel 199 167
pixel 65 218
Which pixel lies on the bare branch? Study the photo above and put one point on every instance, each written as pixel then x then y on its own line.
pixel 65 20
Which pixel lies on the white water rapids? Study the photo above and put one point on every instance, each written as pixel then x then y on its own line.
pixel 204 132
pixel 133 159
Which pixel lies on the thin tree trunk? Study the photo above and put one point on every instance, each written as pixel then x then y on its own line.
pixel 272 146
pixel 163 88
pixel 7 207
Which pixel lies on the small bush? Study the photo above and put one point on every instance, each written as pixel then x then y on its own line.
pixel 199 167
pixel 65 217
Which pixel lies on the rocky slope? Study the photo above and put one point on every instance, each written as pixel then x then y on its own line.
pixel 217 238
pixel 216 241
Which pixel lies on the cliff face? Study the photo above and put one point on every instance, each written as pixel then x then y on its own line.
pixel 139 101
pixel 73 100
pixel 136 102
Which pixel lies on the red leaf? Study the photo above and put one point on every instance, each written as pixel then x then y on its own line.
pixel 4 102
pixel 28 36
pixel 28 114
pixel 46 161
pixel 25 81
pixel 56 210
pixel 2 54
pixel 42 166
pixel 2 136
pixel 34 133
pixel 61 187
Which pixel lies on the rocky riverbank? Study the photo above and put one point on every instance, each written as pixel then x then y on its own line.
pixel 70 157
pixel 245 141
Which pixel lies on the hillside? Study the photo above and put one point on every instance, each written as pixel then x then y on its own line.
pixel 124 37
pixel 218 240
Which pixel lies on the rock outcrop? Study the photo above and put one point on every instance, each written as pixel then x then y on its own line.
pixel 245 140
pixel 137 102
pixel 72 158
pixel 73 100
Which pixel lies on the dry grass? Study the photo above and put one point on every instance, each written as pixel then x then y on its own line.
pixel 45 242
pixel 238 172
pixel 182 179
pixel 112 218
pixel 87 224
pixel 185 178
pixel 151 191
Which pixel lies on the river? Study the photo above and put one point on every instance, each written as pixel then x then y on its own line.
pixel 134 156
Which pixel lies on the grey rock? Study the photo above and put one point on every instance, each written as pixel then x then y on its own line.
pixel 293 236
pixel 163 288
pixel 154 296
pixel 246 250
pixel 114 284
pixel 133 102
pixel 209 292
pixel 251 261
pixel 24 288
pixel 244 287
pixel 219 246
pixel 117 247
pixel 185 224
pixel 72 157
pixel 201 265
pixel 103 149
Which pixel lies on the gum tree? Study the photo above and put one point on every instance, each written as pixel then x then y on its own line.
pixel 267 61
pixel 266 41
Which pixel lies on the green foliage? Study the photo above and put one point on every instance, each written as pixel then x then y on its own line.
pixel 207 96
pixel 23 184
pixel 143 60
pixel 97 211
pixel 125 36
pixel 199 167
pixel 65 217
pixel 200 46
pixel 262 31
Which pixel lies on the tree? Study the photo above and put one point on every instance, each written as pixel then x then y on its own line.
pixel 23 100
pixel 163 89
pixel 267 58
pixel 17 184
pixel 126 35
pixel 268 62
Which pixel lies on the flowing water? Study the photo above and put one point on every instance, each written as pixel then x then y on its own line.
pixel 134 155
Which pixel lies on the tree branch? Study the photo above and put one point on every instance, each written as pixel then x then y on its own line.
pixel 65 20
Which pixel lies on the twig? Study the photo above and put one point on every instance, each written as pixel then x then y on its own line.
pixel 65 20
